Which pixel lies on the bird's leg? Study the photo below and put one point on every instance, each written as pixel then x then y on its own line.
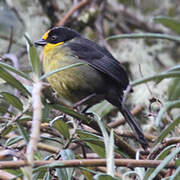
pixel 79 103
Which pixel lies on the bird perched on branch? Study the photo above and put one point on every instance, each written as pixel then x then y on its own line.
pixel 100 78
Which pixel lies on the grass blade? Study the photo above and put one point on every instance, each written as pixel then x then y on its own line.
pixel 156 77
pixel 163 163
pixel 60 69
pixel 167 106
pixel 169 128
pixel 13 81
pixel 33 56
pixel 12 69
pixel 145 35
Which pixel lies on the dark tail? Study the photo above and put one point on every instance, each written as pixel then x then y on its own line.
pixel 134 125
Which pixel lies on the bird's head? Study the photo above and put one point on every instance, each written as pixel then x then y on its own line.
pixel 57 36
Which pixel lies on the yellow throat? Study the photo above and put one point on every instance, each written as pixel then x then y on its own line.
pixel 49 46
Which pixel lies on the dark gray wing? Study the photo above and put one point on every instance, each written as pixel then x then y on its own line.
pixel 99 58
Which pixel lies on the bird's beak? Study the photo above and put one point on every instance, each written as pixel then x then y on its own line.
pixel 40 42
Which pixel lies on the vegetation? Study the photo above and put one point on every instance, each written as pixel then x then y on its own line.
pixel 40 138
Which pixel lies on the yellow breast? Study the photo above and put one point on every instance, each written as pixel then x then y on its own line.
pixel 72 84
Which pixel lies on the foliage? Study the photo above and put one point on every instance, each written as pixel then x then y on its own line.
pixel 63 137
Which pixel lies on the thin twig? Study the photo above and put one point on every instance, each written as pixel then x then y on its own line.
pixel 71 11
pixel 10 40
pixel 126 133
pixel 122 121
pixel 13 41
pixel 159 147
pixel 130 163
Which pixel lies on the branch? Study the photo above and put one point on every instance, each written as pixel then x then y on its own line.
pixel 159 147
pixel 36 124
pixel 122 121
pixel 130 163
pixel 71 11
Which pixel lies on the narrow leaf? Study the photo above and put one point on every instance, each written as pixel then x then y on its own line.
pixel 175 175
pixel 93 141
pixel 71 112
pixel 12 69
pixel 33 57
pixel 61 126
pixel 163 163
pixel 166 107
pixel 161 156
pixel 169 22
pixel 13 81
pixel 13 140
pixel 156 77
pixel 167 130
pixel 60 69
pixel 67 173
pixel 5 110
pixel 23 132
pixel 109 147
pixel 145 35
pixel 7 130
pixel 47 176
pixel 13 100
pixel 174 89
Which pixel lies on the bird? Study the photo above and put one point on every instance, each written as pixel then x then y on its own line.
pixel 101 77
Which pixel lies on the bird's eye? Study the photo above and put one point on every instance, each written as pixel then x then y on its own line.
pixel 53 38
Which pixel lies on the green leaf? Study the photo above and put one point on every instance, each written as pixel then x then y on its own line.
pixel 33 57
pixel 166 107
pixel 62 173
pixel 13 140
pixel 7 130
pixel 61 126
pixel 88 172
pixel 66 173
pixel 47 176
pixel 174 89
pixel 67 154
pixel 5 110
pixel 145 35
pixel 93 141
pixel 12 81
pixel 12 69
pixel 175 175
pixel 161 156
pixel 13 100
pixel 169 22
pixel 39 174
pixel 16 172
pixel 109 146
pixel 71 112
pixel 51 165
pixel 164 163
pixel 102 109
pixel 103 176
pixel 167 130
pixel 23 132
pixel 51 139
pixel 156 77
pixel 178 162
pixel 60 69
